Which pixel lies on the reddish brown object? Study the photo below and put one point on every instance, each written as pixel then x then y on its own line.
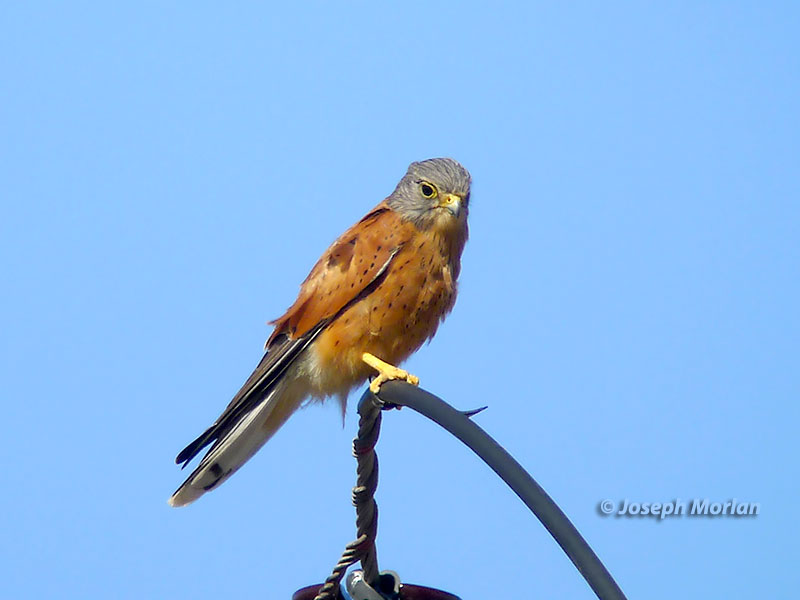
pixel 407 592
pixel 381 289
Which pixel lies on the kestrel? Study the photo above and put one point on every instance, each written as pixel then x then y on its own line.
pixel 371 300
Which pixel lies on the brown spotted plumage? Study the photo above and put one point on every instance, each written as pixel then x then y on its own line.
pixel 380 290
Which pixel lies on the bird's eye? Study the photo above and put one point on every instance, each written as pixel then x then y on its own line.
pixel 427 190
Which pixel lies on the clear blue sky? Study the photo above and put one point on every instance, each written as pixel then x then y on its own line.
pixel 629 296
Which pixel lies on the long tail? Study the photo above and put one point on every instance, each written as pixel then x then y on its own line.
pixel 235 447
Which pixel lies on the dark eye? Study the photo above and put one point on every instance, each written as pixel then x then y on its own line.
pixel 427 190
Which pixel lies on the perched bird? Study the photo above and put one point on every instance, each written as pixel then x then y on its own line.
pixel 375 295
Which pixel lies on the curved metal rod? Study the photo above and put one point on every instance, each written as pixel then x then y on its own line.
pixel 517 478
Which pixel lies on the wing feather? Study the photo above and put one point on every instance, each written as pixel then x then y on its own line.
pixel 278 357
pixel 345 270
pixel 350 269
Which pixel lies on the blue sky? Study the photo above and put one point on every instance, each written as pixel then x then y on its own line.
pixel 628 308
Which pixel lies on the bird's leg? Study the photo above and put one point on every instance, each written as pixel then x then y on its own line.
pixel 386 372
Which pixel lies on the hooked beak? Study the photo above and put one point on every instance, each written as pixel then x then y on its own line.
pixel 451 202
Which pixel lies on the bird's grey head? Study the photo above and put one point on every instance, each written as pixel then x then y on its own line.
pixel 433 193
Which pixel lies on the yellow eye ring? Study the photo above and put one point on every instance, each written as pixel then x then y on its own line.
pixel 428 190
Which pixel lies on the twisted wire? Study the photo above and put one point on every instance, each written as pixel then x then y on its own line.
pixel 363 547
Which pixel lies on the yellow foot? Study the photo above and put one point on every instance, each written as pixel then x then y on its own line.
pixel 386 372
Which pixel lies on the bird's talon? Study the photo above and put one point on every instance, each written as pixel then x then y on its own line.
pixel 386 372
